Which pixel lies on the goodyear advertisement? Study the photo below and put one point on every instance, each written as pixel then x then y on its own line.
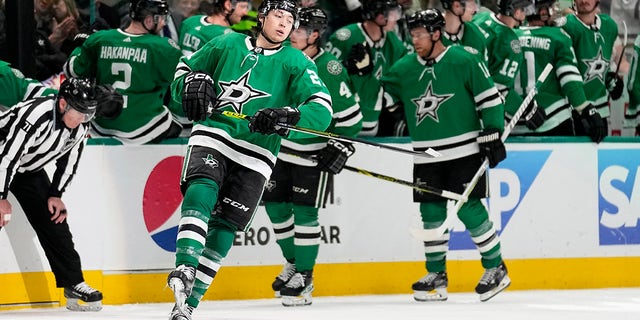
pixel 564 211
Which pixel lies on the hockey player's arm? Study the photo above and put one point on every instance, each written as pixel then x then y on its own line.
pixel 489 102
pixel 82 61
pixel 347 118
pixel 313 98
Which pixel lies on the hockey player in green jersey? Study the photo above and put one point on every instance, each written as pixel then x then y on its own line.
pixel 543 44
pixel 460 31
pixel 228 160
pixel 451 105
pixel 140 65
pixel 633 86
pixel 16 88
pixel 593 35
pixel 197 30
pixel 366 50
pixel 294 214
pixel 505 56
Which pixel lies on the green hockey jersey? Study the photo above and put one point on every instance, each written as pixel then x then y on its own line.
pixel 195 31
pixel 593 46
pixel 347 118
pixel 447 104
pixel 247 79
pixel 141 67
pixel 469 35
pixel 504 59
pixel 384 53
pixel 563 88
pixel 633 86
pixel 16 88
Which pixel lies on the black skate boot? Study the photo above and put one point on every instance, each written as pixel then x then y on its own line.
pixel 432 287
pixel 91 297
pixel 297 292
pixel 180 314
pixel 493 281
pixel 288 270
pixel 181 281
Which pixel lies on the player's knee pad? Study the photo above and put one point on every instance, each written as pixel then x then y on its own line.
pixel 473 213
pixel 305 215
pixel 433 213
pixel 279 212
pixel 201 195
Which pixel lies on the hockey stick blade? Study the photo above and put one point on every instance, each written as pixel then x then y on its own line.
pixel 429 153
pixel 431 234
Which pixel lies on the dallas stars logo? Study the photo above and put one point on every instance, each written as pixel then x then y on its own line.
pixel 238 92
pixel 428 104
pixel 210 161
pixel 596 67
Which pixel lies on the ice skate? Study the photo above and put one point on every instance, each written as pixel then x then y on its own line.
pixel 90 297
pixel 180 314
pixel 432 287
pixel 288 270
pixel 493 281
pixel 297 292
pixel 181 281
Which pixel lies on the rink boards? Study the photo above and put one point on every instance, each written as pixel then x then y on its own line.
pixel 567 212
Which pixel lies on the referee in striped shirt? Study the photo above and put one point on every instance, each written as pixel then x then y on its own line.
pixel 32 134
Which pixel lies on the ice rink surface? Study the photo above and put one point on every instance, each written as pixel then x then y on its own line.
pixel 601 304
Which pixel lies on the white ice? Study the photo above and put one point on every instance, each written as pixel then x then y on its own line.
pixel 601 304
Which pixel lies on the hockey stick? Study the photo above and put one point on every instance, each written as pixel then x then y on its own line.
pixel 422 188
pixel 429 153
pixel 624 46
pixel 431 234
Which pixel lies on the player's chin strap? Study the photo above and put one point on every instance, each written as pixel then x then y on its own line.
pixel 431 234
pixel 429 153
pixel 419 187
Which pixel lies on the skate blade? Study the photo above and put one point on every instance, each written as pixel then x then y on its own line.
pixel 501 286
pixel 177 286
pixel 298 301
pixel 79 305
pixel 438 294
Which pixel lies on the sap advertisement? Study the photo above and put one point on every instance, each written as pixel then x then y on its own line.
pixel 549 200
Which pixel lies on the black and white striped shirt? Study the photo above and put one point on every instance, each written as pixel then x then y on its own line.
pixel 32 135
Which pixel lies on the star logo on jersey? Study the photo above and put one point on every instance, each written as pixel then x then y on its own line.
pixel 596 67
pixel 210 161
pixel 428 104
pixel 236 93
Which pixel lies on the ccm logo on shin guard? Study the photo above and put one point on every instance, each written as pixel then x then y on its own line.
pixel 235 204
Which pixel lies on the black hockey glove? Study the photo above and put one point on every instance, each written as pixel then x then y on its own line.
pixel 593 123
pixel 266 120
pixel 110 102
pixel 491 146
pixel 359 60
pixel 533 116
pixel 334 156
pixel 198 96
pixel 614 85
